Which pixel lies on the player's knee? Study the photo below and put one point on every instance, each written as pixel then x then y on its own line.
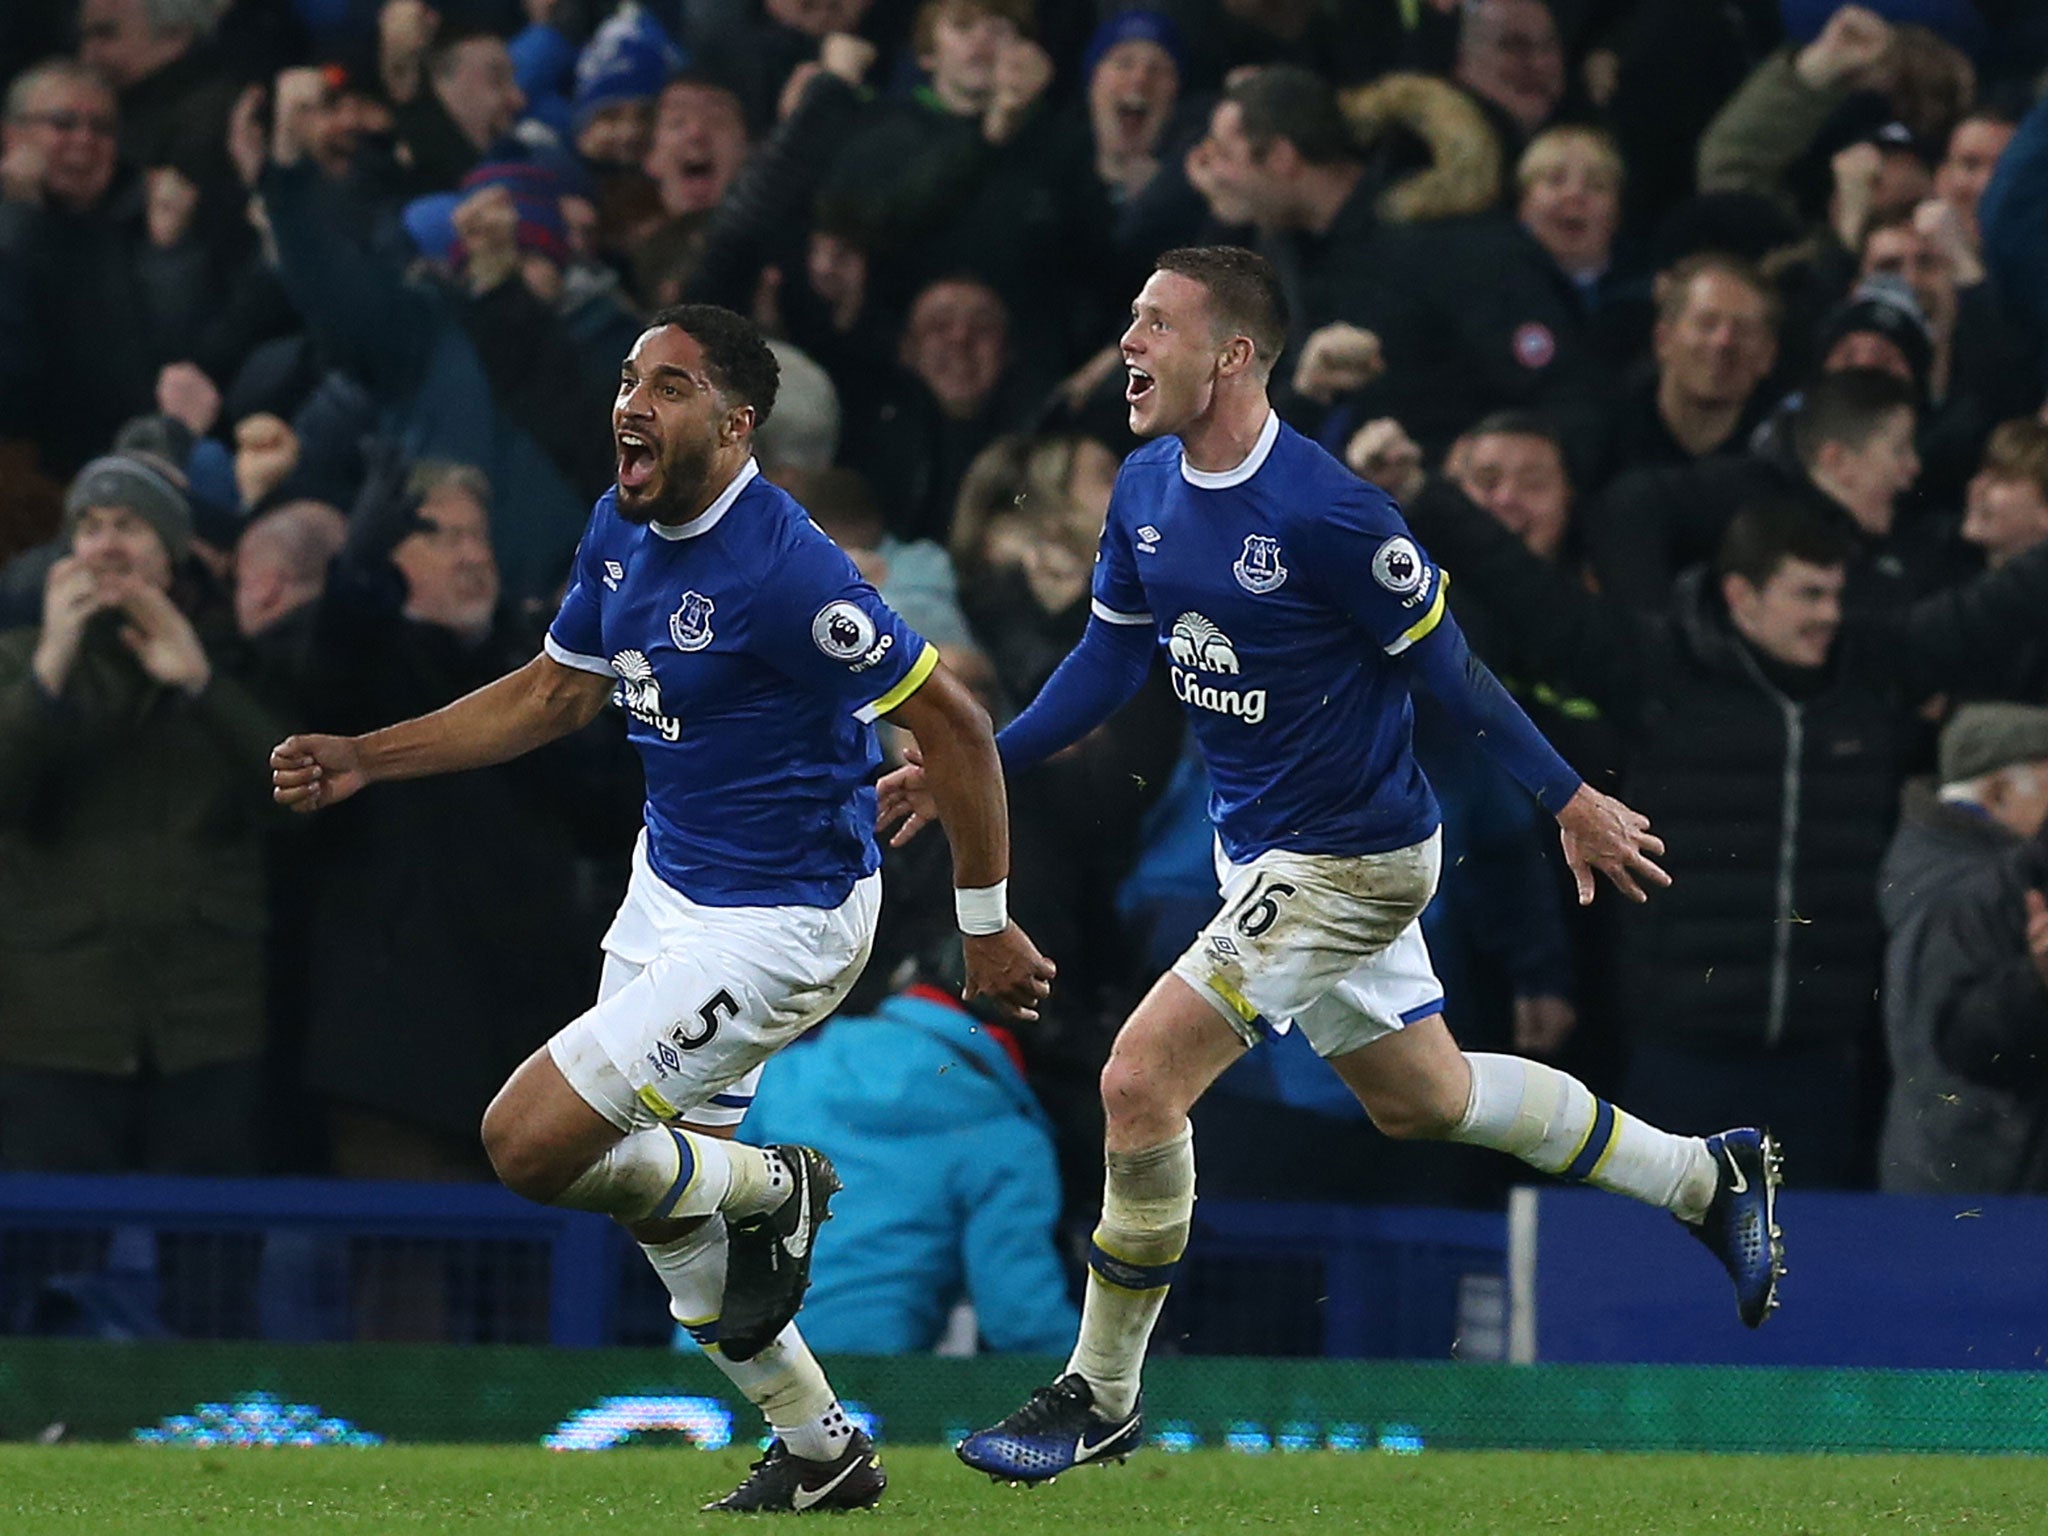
pixel 1134 1098
pixel 519 1159
pixel 1415 1112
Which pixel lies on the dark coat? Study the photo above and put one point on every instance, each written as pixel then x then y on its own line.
pixel 1943 1133
pixel 132 824
pixel 1481 320
pixel 1653 523
pixel 1991 1023
pixel 446 938
pixel 1775 809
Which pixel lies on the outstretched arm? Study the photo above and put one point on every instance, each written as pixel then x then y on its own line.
pixel 522 710
pixel 964 778
pixel 1097 679
pixel 1598 831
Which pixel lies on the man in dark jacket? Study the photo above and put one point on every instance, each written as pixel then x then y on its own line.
pixel 405 880
pixel 1848 455
pixel 1994 1031
pixel 1766 738
pixel 132 815
pixel 1953 897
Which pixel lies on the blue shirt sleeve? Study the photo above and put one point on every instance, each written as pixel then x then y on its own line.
pixel 1359 553
pixel 821 624
pixel 576 637
pixel 1118 597
pixel 1477 704
pixel 1097 678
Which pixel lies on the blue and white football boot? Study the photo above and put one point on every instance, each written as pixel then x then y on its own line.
pixel 1741 1224
pixel 1056 1431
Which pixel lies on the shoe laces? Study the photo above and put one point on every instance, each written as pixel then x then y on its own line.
pixel 1045 1409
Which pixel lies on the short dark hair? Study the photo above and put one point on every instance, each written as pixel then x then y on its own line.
pixel 1846 407
pixel 1244 292
pixel 1517 424
pixel 1764 535
pixel 742 364
pixel 1286 101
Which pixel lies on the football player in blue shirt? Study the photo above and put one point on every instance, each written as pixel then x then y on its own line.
pixel 1295 613
pixel 751 661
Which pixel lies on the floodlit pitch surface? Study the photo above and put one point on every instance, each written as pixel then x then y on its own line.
pixel 114 1490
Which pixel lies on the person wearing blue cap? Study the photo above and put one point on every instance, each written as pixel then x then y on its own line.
pixel 618 76
pixel 1134 67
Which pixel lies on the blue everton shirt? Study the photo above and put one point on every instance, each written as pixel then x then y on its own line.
pixel 752 661
pixel 1281 591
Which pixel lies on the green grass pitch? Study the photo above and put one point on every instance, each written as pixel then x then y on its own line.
pixel 116 1490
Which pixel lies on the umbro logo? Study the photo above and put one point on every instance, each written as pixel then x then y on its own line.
pixel 614 573
pixel 1148 540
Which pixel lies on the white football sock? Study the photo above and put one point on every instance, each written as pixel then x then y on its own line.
pixel 784 1381
pixel 1552 1121
pixel 667 1171
pixel 1148 1199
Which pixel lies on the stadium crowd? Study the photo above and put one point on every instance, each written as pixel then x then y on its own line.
pixel 1702 344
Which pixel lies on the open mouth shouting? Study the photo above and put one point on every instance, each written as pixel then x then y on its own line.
pixel 638 459
pixel 1138 386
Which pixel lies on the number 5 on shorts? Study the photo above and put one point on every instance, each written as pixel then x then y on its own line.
pixel 722 1005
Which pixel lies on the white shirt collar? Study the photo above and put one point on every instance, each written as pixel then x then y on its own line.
pixel 706 520
pixel 1224 479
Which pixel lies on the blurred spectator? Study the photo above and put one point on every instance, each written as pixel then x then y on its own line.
pixel 2007 510
pixel 763 50
pixel 1780 112
pixel 1959 885
pixel 915 432
pixel 1994 1031
pixel 952 1191
pixel 411 619
pixel 1024 534
pixel 176 87
pixel 1767 741
pixel 1714 344
pixel 281 563
pixel 74 316
pixel 619 77
pixel 1434 320
pixel 1966 169
pixel 132 814
pixel 803 434
pixel 485 373
pixel 462 99
pixel 697 149
pixel 1847 451
pixel 1510 57
pixel 970 174
pixel 1568 187
pixel 1280 157
pixel 1879 326
pixel 1139 123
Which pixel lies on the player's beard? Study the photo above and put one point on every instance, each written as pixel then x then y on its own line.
pixel 683 477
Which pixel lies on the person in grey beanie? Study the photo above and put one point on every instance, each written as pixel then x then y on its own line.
pixel 132 812
pixel 1952 893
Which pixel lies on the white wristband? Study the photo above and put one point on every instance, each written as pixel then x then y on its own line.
pixel 983 909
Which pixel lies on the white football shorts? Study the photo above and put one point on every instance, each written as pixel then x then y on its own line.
pixel 694 999
pixel 1330 942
